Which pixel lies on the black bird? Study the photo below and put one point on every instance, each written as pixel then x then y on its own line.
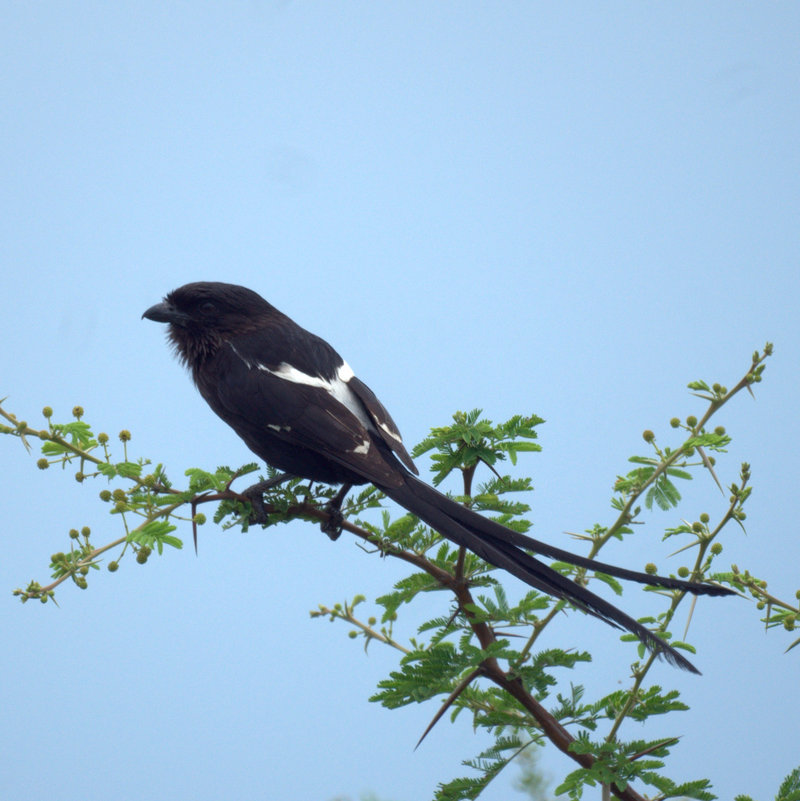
pixel 297 404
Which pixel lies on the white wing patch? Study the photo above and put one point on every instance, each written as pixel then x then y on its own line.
pixel 337 387
pixel 363 447
pixel 393 434
pixel 374 420
pixel 345 372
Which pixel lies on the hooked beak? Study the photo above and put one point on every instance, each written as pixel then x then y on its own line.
pixel 166 313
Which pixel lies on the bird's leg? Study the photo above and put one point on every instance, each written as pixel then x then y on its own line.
pixel 255 495
pixel 333 525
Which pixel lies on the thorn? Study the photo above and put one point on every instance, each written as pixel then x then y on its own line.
pixel 707 463
pixel 194 526
pixel 462 685
pixel 491 467
pixel 683 548
pixel 689 618
pixel 585 537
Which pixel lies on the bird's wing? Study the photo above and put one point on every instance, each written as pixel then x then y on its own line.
pixel 386 428
pixel 294 353
pixel 318 411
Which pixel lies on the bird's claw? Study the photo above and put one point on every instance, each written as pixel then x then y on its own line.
pixel 333 525
pixel 255 495
pixel 258 515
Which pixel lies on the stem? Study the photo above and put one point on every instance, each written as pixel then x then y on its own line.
pixel 715 404
pixel 538 626
pixel 348 616
pixel 87 560
pixel 554 731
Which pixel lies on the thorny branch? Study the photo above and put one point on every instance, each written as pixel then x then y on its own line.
pixel 455 581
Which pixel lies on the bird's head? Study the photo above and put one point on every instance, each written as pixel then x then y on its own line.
pixel 204 315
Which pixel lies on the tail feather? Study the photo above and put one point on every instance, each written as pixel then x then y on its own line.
pixel 490 528
pixel 502 547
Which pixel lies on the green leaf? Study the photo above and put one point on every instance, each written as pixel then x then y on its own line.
pixel 649 460
pixel 128 469
pixel 610 581
pixel 790 787
pixel 674 471
pixel 78 432
pixel 405 591
pixel 54 448
pixel 708 439
pixel 200 480
pixel 155 534
pixel 489 764
pixel 664 493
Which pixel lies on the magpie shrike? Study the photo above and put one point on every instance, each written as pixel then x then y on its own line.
pixel 297 404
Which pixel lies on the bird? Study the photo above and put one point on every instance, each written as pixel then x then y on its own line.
pixel 298 405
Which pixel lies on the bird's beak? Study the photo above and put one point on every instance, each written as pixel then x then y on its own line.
pixel 166 313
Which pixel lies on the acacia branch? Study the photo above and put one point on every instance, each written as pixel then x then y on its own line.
pixel 489 667
pixel 715 404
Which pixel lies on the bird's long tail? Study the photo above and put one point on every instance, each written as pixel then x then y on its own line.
pixel 506 549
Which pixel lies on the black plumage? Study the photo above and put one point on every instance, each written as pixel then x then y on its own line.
pixel 297 404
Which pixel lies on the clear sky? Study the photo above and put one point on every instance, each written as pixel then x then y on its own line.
pixel 563 209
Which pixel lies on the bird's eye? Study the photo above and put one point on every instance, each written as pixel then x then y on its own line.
pixel 208 307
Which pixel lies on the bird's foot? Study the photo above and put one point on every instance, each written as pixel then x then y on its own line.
pixel 333 525
pixel 255 495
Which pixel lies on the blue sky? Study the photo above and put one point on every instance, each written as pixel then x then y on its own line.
pixel 526 207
